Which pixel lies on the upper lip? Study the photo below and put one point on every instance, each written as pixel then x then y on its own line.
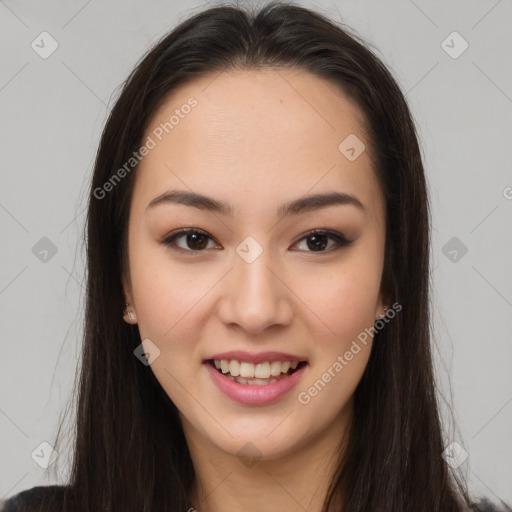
pixel 261 357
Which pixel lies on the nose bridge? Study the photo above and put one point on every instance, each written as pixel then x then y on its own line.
pixel 256 297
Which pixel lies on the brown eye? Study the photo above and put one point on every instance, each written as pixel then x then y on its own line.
pixel 318 240
pixel 194 240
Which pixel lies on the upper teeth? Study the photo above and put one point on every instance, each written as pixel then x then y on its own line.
pixel 251 370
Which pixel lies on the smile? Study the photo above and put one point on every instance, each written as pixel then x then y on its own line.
pixel 255 384
pixel 258 374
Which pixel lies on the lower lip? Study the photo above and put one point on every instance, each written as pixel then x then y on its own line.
pixel 253 394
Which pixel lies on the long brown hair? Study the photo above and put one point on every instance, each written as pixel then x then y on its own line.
pixel 130 452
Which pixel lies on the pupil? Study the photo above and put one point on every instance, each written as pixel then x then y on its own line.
pixel 319 243
pixel 195 244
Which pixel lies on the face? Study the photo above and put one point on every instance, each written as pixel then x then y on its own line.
pixel 250 278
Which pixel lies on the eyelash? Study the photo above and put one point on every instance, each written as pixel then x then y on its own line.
pixel 340 240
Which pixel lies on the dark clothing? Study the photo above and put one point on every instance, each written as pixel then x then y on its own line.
pixel 37 499
pixel 49 499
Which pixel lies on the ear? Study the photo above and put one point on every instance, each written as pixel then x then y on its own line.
pixel 129 314
pixel 127 287
pixel 383 303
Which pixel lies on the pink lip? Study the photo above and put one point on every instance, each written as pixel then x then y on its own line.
pixel 252 394
pixel 262 357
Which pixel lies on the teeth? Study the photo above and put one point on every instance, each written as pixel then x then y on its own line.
pixel 262 370
pixel 258 372
pixel 260 382
pixel 247 370
pixel 234 368
pixel 252 382
pixel 275 368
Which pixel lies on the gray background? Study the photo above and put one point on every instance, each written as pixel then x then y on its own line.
pixel 52 113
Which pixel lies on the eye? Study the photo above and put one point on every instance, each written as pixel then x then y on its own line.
pixel 195 240
pixel 318 240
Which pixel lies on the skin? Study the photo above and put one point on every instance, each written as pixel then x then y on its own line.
pixel 257 139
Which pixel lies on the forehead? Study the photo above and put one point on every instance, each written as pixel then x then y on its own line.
pixel 263 134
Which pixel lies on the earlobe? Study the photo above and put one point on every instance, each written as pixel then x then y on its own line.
pixel 382 308
pixel 129 314
pixel 383 314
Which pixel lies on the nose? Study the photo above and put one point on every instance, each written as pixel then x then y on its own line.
pixel 256 296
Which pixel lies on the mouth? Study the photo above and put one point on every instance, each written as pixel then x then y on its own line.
pixel 256 384
pixel 260 374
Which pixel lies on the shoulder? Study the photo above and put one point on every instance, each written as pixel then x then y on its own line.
pixel 486 506
pixel 44 498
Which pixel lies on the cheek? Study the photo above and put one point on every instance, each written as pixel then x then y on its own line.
pixel 343 301
pixel 169 313
pixel 342 340
pixel 344 298
pixel 166 293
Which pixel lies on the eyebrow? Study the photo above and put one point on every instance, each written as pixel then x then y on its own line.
pixel 295 207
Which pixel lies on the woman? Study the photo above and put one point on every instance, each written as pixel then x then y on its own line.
pixel 259 209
